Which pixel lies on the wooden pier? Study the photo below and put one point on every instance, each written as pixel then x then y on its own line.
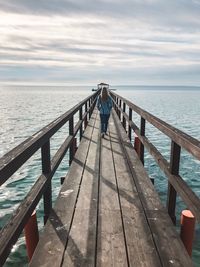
pixel 107 212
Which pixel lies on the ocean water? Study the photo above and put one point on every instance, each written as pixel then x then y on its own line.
pixel 25 110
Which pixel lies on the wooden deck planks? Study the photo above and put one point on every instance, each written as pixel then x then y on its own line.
pixel 81 246
pixel 160 225
pixel 111 249
pixel 140 244
pixel 51 246
pixel 107 212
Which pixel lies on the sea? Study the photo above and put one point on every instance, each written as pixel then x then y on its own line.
pixel 25 110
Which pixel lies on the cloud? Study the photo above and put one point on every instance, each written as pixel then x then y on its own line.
pixel 182 13
pixel 106 38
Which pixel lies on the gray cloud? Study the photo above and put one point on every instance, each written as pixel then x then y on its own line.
pixel 171 13
pixel 130 40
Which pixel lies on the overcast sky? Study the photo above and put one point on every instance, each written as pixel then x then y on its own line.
pixel 146 42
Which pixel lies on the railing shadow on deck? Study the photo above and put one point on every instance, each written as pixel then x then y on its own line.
pixel 62 233
pixel 179 140
pixel 14 159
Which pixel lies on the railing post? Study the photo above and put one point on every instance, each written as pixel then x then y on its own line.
pixel 142 133
pixel 116 105
pixel 94 101
pixel 120 105
pixel 80 118
pixel 114 102
pixel 129 127
pixel 85 121
pixel 90 108
pixel 46 169
pixel 124 120
pixel 71 132
pixel 137 143
pixel 174 169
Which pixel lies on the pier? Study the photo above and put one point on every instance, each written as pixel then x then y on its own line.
pixel 107 212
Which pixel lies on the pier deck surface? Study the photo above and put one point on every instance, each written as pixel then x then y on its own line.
pixel 107 212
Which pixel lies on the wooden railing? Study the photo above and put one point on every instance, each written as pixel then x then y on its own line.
pixel 179 140
pixel 14 159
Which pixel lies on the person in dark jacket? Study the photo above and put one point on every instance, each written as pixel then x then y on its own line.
pixel 104 105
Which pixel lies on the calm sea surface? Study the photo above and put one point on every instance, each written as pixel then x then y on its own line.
pixel 25 110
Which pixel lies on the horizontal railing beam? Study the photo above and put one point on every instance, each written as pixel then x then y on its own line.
pixel 14 159
pixel 184 140
pixel 12 230
pixel 184 191
pixel 60 153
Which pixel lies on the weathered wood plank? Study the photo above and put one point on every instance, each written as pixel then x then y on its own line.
pixel 118 219
pixel 81 245
pixel 145 188
pixel 171 250
pixel 140 245
pixel 161 227
pixel 51 246
pixel 111 247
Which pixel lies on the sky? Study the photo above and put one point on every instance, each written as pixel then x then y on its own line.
pixel 82 42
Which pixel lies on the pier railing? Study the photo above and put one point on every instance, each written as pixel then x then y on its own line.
pixel 14 159
pixel 179 140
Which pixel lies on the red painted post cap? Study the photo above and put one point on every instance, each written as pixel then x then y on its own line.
pixel 187 229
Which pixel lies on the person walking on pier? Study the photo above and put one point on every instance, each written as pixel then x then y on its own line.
pixel 104 105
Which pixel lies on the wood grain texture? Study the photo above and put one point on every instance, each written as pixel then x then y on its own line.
pixel 81 245
pixel 162 230
pixel 111 247
pixel 108 213
pixel 140 245
pixel 51 247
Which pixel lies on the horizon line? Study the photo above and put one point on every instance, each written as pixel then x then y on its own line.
pixel 92 85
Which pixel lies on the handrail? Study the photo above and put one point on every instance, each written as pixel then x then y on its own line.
pixel 14 159
pixel 179 140
pixel 186 141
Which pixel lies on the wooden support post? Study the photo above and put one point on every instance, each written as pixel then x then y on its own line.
pixel 31 235
pixel 89 107
pixel 71 132
pixel 93 103
pixel 120 105
pixel 129 127
pixel 152 180
pixel 142 133
pixel 116 106
pixel 115 98
pixel 46 169
pixel 137 145
pixel 74 146
pixel 124 120
pixel 85 121
pixel 80 118
pixel 174 169
pixel 118 109
pixel 62 179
